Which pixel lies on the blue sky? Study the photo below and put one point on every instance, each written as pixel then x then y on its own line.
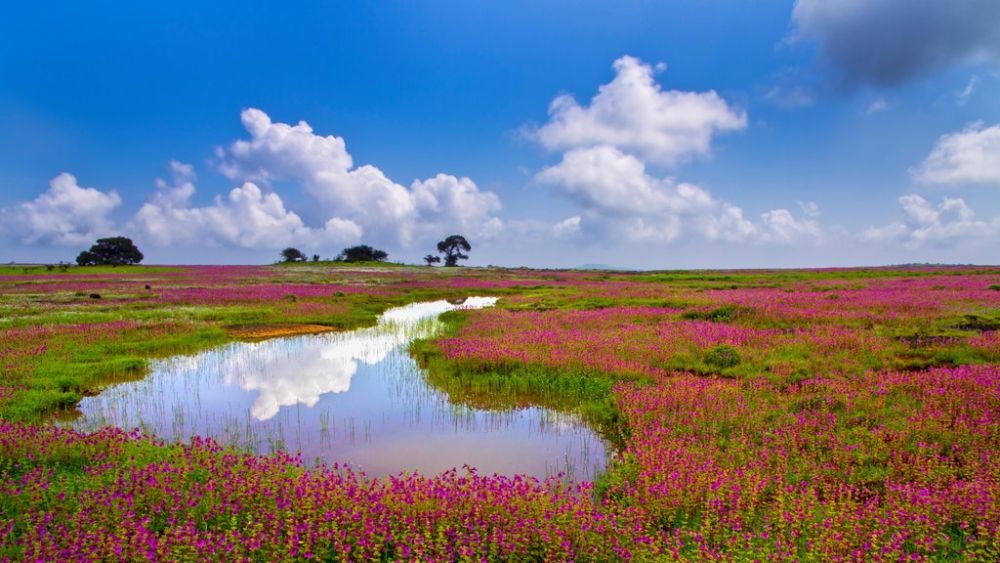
pixel 684 134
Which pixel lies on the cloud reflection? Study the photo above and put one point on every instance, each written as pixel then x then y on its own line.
pixel 299 370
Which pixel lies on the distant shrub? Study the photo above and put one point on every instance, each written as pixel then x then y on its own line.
pixel 722 357
pixel 995 287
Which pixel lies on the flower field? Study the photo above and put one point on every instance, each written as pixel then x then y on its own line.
pixel 819 415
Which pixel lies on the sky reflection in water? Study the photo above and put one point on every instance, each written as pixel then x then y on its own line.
pixel 354 397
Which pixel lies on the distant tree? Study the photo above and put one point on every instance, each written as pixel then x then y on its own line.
pixel 291 254
pixel 362 253
pixel 112 251
pixel 452 248
pixel 432 259
pixel 315 257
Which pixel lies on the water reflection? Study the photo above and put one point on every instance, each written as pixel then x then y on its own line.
pixel 299 371
pixel 354 397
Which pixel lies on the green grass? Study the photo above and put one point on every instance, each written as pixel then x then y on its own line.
pixel 20 270
pixel 587 394
pixel 59 381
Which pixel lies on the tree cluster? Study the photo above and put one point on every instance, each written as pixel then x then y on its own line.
pixel 362 253
pixel 453 248
pixel 112 251
pixel 359 253
pixel 120 251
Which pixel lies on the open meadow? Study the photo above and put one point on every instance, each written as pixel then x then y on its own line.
pixel 825 415
pixel 538 281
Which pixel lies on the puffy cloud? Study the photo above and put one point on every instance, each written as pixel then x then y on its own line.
pixel 282 150
pixel 616 195
pixel 950 221
pixel 567 228
pixel 630 121
pixel 779 225
pixel 65 214
pixel 605 178
pixel 363 196
pixel 178 193
pixel 970 156
pixel 634 114
pixel 729 224
pixel 887 42
pixel 247 217
pixel 445 199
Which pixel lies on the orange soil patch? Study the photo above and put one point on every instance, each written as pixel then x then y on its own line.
pixel 273 331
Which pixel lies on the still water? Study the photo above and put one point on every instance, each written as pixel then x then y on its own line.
pixel 352 397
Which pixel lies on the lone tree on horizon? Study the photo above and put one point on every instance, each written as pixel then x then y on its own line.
pixel 362 253
pixel 292 254
pixel 452 248
pixel 111 251
pixel 432 259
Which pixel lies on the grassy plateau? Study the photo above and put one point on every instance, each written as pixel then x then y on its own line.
pixel 802 415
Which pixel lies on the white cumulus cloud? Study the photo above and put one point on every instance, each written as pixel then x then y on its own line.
pixel 634 114
pixel 950 221
pixel 65 214
pixel 363 196
pixel 447 200
pixel 567 228
pixel 247 217
pixel 605 178
pixel 970 156
pixel 617 196
pixel 779 225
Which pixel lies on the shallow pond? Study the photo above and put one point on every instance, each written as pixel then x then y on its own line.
pixel 351 397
